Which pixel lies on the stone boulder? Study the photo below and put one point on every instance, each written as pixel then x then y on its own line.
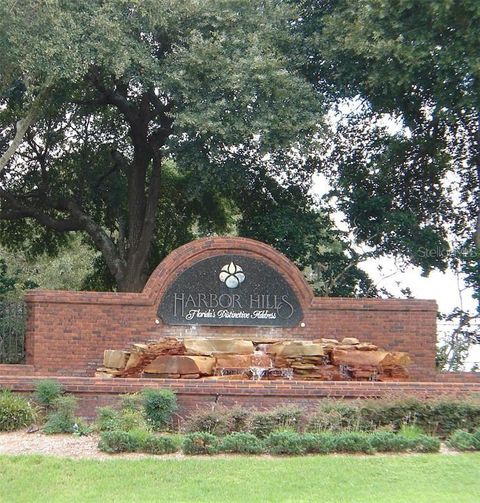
pixel 296 348
pixel 375 358
pixel 115 359
pixel 243 361
pixel 350 340
pixel 181 365
pixel 214 346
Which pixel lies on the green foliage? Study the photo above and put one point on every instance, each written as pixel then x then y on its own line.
pixel 15 412
pixel 62 417
pixel 261 424
pixel 218 86
pixel 216 422
pixel 66 270
pixel 285 417
pixel 440 417
pixel 133 420
pixel 411 430
pixel 241 443
pixel 351 442
pixel 240 417
pixel 446 416
pixel 47 392
pixel 426 443
pixel 7 283
pixel 464 441
pixel 131 402
pixel 118 441
pixel 386 441
pixel 125 419
pixel 403 81
pixel 290 221
pixel 160 444
pixel 159 407
pixel 200 443
pixel 335 417
pixel 108 419
pixel 284 442
pixel 151 409
pixel 220 420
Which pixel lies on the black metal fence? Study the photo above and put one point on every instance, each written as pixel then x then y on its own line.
pixel 12 331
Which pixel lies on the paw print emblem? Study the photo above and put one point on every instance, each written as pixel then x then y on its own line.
pixel 232 275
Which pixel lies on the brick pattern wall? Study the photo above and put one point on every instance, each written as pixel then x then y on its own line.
pixel 68 331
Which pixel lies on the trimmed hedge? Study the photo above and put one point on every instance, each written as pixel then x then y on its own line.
pixel 160 444
pixel 278 443
pixel 438 417
pixel 200 443
pixel 242 443
pixel 285 442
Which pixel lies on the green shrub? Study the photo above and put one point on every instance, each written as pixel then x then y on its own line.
pixel 285 417
pixel 200 443
pixel 62 418
pixel 47 391
pixel 465 441
pixel 122 441
pixel 242 443
pixel 440 417
pixel 288 417
pixel 218 421
pixel 127 419
pixel 159 407
pixel 426 443
pixel 318 443
pixel 15 412
pixel 131 402
pixel 261 424
pixel 386 441
pixel 160 444
pixel 374 414
pixel 108 419
pixel 132 420
pixel 240 417
pixel 335 416
pixel 351 442
pixel 285 442
pixel 446 416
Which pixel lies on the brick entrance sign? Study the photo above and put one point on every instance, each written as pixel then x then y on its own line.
pixel 213 287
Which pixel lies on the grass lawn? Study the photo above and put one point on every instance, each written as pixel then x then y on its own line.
pixel 411 479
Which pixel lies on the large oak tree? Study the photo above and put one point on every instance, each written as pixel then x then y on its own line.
pixel 128 121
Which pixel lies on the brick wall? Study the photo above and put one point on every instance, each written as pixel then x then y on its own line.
pixel 68 331
pixel 193 394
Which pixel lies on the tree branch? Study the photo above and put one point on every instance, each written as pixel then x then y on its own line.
pixel 23 125
pixel 21 211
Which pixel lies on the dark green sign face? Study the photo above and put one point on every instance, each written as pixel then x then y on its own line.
pixel 230 290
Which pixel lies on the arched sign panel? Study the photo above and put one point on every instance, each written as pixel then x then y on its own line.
pixel 230 290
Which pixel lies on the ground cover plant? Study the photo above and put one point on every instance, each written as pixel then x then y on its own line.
pixel 340 479
pixel 464 441
pixel 15 411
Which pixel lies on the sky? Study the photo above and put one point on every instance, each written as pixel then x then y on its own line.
pixel 445 287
